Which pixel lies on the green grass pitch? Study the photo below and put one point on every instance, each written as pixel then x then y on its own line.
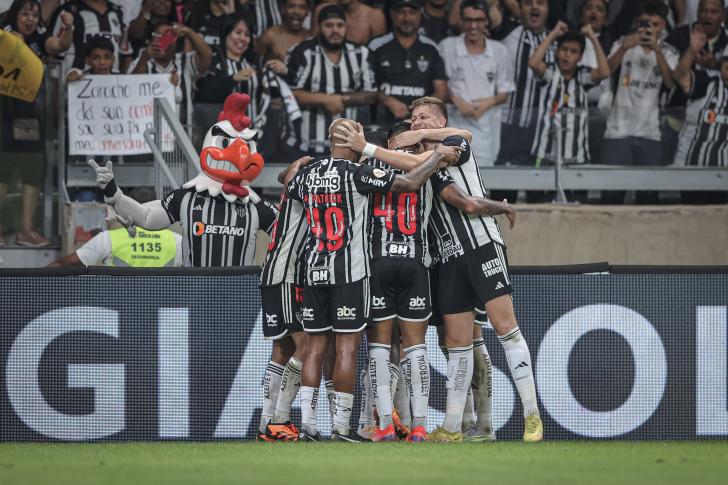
pixel 383 463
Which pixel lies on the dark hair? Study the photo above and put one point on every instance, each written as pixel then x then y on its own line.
pixel 653 7
pixel 376 137
pixel 584 2
pixel 99 42
pixel 249 54
pixel 143 194
pixel 11 18
pixel 399 127
pixel 572 36
pixel 477 4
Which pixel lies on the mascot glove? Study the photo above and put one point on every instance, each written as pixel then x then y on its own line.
pixel 127 222
pixel 105 180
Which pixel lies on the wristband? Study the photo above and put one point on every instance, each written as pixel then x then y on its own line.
pixel 110 189
pixel 369 150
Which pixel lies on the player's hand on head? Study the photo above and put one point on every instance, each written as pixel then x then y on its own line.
pixel 449 154
pixel 350 136
pixel 408 138
pixel 104 174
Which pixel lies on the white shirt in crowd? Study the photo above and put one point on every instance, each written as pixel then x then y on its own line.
pixel 97 251
pixel 636 110
pixel 473 76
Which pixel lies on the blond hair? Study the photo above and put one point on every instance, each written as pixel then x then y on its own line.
pixel 430 101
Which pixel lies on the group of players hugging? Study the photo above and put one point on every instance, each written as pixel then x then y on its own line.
pixel 374 240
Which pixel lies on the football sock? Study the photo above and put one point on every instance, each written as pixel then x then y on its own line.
pixel 418 377
pixel 519 362
pixel 469 410
pixel 482 385
pixel 343 404
pixel 379 377
pixel 271 388
pixel 459 375
pixel 402 393
pixel 290 383
pixel 309 398
pixel 329 385
pixel 366 412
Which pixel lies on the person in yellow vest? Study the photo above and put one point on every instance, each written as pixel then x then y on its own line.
pixel 115 247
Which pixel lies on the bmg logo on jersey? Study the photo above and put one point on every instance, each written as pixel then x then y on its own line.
pixel 329 180
pixel 417 303
pixel 491 267
pixel 346 313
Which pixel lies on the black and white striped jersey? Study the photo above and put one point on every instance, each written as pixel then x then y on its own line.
pixel 521 43
pixel 399 221
pixel 216 232
pixel 310 69
pixel 334 193
pixel 563 110
pixel 455 232
pixel 287 244
pixel 709 145
pixel 267 14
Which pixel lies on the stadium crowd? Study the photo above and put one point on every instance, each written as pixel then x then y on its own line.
pixel 636 84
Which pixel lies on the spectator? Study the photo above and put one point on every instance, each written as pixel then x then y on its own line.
pixel 710 16
pixel 274 45
pixel 185 68
pixel 330 78
pixel 703 139
pixel 209 18
pixel 407 65
pixel 509 8
pixel 92 18
pixel 479 81
pixel 363 23
pixel 434 20
pixel 23 19
pixel 152 13
pixel 594 13
pixel 644 63
pixel 234 70
pixel 563 109
pixel 99 59
pixel 116 247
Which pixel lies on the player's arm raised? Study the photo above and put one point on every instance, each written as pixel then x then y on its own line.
pixel 151 216
pixel 417 177
pixel 477 206
pixel 351 136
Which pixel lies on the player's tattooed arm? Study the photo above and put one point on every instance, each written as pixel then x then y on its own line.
pixel 297 165
pixel 351 136
pixel 414 137
pixel 439 158
pixel 477 206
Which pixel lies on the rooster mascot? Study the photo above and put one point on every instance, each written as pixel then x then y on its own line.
pixel 219 213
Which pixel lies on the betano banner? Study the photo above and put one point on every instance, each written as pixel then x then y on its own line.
pixel 108 115
pixel 631 356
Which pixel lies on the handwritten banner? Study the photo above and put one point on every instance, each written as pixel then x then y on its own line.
pixel 21 71
pixel 108 115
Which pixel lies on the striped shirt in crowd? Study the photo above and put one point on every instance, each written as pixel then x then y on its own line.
pixel 287 244
pixel 219 233
pixel 186 67
pixel 521 43
pixel 310 69
pixel 709 97
pixel 267 14
pixel 334 193
pixel 454 231
pixel 399 221
pixel 563 110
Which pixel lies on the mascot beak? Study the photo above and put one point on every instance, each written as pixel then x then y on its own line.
pixel 232 164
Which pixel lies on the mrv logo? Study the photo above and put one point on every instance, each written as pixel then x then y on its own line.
pixel 171 374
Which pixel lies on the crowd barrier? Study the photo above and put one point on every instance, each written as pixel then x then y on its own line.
pixel 178 354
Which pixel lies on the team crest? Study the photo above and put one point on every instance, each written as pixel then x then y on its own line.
pixel 423 64
pixel 379 173
pixel 240 209
pixel 490 75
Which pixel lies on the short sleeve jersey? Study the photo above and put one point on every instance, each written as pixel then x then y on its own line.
pixel 335 195
pixel 215 231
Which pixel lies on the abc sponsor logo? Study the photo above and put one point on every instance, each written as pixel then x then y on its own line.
pixel 417 303
pixel 346 313
pixel 306 313
pixel 378 302
pixel 271 319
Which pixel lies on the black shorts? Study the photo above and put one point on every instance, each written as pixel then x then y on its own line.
pixel 400 289
pixel 281 310
pixel 342 308
pixel 473 279
pixel 481 318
